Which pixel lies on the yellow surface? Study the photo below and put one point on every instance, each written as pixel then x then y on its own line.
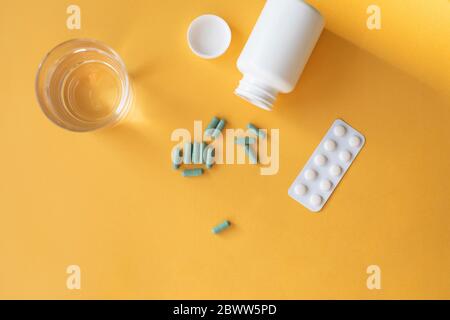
pixel 414 34
pixel 110 202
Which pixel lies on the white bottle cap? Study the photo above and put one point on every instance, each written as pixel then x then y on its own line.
pixel 209 36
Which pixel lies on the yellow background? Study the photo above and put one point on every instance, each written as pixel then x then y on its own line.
pixel 110 202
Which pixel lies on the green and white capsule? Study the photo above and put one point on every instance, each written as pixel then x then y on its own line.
pixel 244 140
pixel 196 153
pixel 205 153
pixel 220 227
pixel 210 159
pixel 187 153
pixel 219 128
pixel 202 151
pixel 176 157
pixel 256 131
pixel 251 154
pixel 192 172
pixel 211 126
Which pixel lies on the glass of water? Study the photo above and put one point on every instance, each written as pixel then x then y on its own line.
pixel 83 85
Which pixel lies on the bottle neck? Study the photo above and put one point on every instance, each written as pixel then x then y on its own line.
pixel 256 92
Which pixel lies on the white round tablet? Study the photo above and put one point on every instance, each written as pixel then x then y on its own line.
pixel 315 200
pixel 300 189
pixel 335 170
pixel 345 156
pixel 325 185
pixel 354 141
pixel 320 160
pixel 310 174
pixel 339 131
pixel 209 36
pixel 330 145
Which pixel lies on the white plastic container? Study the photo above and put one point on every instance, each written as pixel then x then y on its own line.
pixel 277 50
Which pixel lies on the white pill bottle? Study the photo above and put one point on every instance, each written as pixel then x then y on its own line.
pixel 277 50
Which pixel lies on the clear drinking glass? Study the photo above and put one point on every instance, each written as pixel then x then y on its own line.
pixel 83 85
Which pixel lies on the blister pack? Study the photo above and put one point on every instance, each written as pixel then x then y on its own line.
pixel 327 165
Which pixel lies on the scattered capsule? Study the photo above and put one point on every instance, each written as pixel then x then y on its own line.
pixel 210 152
pixel 211 126
pixel 196 153
pixel 192 172
pixel 202 150
pixel 244 140
pixel 220 227
pixel 205 153
pixel 176 157
pixel 256 130
pixel 219 128
pixel 251 154
pixel 187 152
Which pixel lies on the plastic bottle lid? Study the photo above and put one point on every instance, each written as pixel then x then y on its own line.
pixel 209 36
